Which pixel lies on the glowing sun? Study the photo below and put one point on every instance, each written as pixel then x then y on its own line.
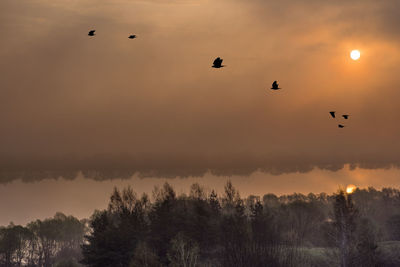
pixel 355 54
pixel 350 188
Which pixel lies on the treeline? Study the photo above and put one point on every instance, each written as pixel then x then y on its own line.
pixel 203 228
pixel 52 242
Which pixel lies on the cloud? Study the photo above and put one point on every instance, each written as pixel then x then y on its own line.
pixel 111 107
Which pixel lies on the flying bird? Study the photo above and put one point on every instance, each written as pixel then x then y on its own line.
pixel 332 114
pixel 345 116
pixel 91 33
pixel 218 63
pixel 340 126
pixel 132 36
pixel 275 86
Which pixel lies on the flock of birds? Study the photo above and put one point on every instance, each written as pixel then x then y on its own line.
pixel 345 116
pixel 92 33
pixel 218 64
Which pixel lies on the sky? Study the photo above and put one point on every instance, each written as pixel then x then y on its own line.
pixel 99 109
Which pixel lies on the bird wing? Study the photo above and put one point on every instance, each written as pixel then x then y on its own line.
pixel 217 61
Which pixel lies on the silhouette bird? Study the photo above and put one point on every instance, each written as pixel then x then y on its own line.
pixel 218 63
pixel 91 33
pixel 275 86
pixel 340 126
pixel 132 36
pixel 332 114
pixel 345 116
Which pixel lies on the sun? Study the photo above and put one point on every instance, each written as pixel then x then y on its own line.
pixel 355 54
pixel 350 188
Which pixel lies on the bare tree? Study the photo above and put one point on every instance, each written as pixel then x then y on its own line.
pixel 184 252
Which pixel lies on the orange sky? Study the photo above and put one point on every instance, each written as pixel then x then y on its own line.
pixel 153 106
pixel 80 197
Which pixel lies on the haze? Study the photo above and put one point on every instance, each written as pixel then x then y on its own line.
pixel 108 107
